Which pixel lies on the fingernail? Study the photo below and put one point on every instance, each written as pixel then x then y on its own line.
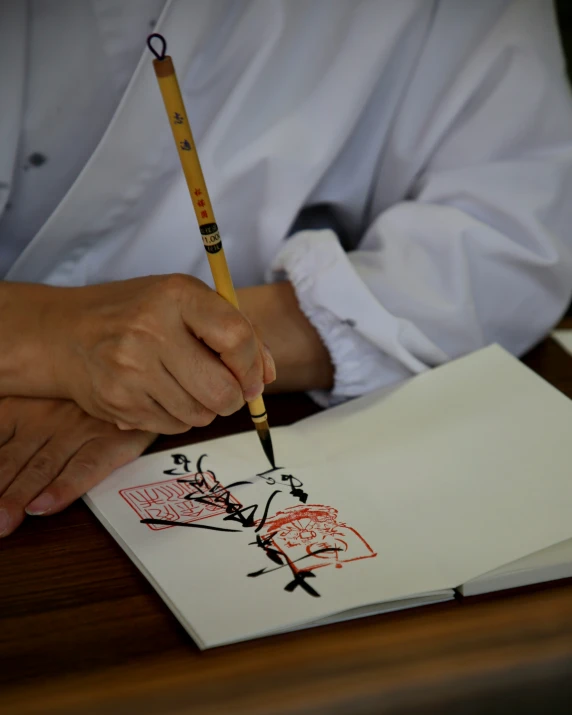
pixel 253 392
pixel 4 522
pixel 269 361
pixel 40 505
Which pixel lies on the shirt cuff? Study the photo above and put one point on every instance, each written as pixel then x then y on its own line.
pixel 316 265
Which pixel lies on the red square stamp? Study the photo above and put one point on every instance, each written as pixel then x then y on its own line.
pixel 311 536
pixel 179 500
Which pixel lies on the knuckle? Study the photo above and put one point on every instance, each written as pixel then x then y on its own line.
pixel 84 465
pixel 237 333
pixel 132 334
pixel 202 417
pixel 174 285
pixel 227 398
pixel 143 328
pixel 124 352
pixel 112 396
pixel 42 466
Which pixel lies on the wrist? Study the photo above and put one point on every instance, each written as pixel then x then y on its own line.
pixel 302 360
pixel 55 339
pixel 31 361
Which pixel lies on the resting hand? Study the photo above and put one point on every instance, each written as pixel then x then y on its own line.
pixel 52 452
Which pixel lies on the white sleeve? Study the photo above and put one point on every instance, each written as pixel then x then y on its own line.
pixel 481 251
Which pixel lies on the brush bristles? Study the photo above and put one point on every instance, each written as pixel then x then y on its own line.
pixel 263 431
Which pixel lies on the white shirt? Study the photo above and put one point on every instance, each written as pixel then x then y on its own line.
pixel 80 56
pixel 438 134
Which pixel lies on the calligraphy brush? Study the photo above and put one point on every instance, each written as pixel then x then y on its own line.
pixel 173 100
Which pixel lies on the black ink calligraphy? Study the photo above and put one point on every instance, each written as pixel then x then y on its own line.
pixel 300 538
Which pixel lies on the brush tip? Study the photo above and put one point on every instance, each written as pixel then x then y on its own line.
pixel 266 442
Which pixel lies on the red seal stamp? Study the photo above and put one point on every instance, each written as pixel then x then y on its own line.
pixel 311 536
pixel 181 501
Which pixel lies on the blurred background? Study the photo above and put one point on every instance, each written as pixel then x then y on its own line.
pixel 564 11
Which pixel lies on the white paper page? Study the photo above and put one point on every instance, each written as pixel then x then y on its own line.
pixel 462 469
pixel 549 564
pixel 564 338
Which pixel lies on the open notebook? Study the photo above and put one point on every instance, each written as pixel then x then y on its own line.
pixel 459 478
pixel 564 338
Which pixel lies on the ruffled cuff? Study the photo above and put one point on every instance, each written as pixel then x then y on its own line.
pixel 323 278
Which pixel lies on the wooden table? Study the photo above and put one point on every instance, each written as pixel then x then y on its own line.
pixel 82 632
